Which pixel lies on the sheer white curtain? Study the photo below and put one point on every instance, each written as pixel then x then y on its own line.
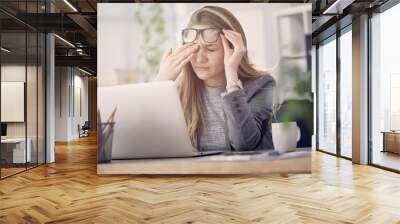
pixel 327 96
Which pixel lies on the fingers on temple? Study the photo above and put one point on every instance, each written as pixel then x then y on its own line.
pixel 237 41
pixel 233 39
pixel 225 43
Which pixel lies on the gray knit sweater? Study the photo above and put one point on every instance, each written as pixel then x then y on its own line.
pixel 239 120
pixel 213 130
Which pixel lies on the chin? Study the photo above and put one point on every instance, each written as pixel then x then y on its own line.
pixel 203 75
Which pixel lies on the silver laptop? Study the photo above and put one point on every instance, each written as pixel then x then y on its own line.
pixel 149 121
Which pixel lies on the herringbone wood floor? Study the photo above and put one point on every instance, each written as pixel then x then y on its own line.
pixel 70 191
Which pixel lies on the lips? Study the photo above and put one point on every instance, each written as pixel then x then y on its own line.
pixel 201 68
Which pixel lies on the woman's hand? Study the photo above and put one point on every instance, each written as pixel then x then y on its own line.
pixel 232 57
pixel 172 62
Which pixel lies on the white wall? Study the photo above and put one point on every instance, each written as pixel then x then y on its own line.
pixel 67 115
pixel 79 117
pixel 33 127
pixel 61 103
pixel 12 73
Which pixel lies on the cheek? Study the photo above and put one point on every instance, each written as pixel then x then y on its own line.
pixel 217 60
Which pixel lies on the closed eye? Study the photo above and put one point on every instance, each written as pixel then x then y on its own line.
pixel 211 47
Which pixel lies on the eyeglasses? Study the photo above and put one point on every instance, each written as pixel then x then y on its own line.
pixel 209 35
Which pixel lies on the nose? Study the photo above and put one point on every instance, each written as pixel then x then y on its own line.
pixel 201 55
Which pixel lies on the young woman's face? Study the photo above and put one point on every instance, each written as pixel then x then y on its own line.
pixel 208 61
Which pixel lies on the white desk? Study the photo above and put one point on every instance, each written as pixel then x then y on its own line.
pixel 292 162
pixel 18 151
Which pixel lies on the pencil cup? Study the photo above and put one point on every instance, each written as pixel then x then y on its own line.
pixel 105 132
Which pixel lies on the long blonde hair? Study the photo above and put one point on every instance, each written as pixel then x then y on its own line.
pixel 190 86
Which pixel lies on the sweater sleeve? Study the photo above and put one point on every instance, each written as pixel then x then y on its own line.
pixel 245 120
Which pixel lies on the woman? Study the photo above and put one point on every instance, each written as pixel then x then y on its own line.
pixel 227 102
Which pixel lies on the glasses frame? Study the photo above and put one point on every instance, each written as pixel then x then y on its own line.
pixel 201 33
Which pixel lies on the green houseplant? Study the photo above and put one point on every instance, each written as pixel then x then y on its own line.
pixel 153 26
pixel 296 106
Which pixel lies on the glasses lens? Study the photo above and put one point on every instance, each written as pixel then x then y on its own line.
pixel 210 35
pixel 188 35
